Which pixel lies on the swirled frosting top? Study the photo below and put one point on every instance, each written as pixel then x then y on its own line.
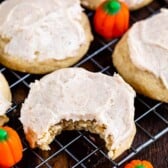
pixel 76 94
pixel 147 41
pixel 41 29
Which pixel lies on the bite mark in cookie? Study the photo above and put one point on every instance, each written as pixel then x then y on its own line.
pixel 76 99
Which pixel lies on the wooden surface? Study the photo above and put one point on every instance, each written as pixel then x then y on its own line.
pixel 157 153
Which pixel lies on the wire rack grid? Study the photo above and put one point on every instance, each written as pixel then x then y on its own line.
pixel 80 149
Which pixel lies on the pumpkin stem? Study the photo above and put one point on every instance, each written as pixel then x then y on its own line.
pixel 139 166
pixel 112 6
pixel 3 135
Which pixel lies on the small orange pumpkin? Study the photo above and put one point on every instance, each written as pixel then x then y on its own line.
pixel 111 19
pixel 139 164
pixel 10 147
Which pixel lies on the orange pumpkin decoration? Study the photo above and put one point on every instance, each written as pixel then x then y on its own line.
pixel 10 147
pixel 139 164
pixel 111 19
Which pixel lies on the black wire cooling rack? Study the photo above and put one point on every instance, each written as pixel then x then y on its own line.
pixel 80 149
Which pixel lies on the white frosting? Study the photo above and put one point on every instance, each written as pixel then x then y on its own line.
pixel 131 3
pixel 76 94
pixel 148 47
pixel 48 29
pixel 4 104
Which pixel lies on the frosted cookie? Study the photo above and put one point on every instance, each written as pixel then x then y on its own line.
pixel 132 4
pixel 5 99
pixel 141 56
pixel 39 37
pixel 76 99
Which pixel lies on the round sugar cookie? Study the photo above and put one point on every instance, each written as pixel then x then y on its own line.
pixel 76 99
pixel 5 99
pixel 141 56
pixel 40 37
